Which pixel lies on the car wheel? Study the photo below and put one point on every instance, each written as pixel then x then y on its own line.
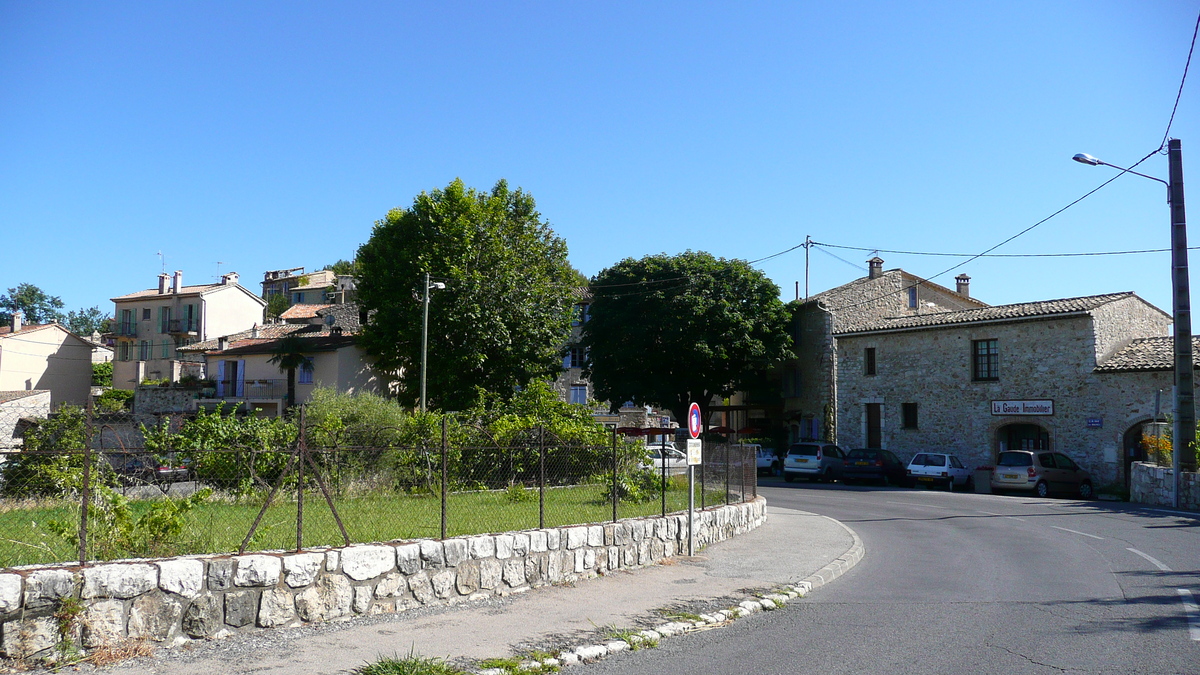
pixel 1085 490
pixel 1042 489
pixel 950 485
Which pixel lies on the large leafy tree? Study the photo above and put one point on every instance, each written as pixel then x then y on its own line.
pixel 33 302
pixel 85 321
pixel 670 330
pixel 505 313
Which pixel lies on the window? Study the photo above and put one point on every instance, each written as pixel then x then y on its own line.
pixel 909 411
pixel 297 298
pixel 164 320
pixel 574 357
pixel 166 349
pixel 144 350
pixel 305 374
pixel 869 361
pixel 986 360
pixel 581 314
pixel 123 353
pixel 145 314
pixel 579 393
pixel 912 297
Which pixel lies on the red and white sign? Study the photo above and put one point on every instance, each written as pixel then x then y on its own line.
pixel 694 422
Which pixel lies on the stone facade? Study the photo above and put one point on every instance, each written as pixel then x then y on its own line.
pixel 1046 352
pixel 811 380
pixel 1153 484
pixel 173 601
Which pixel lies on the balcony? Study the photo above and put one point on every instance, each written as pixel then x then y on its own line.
pixel 127 329
pixel 252 389
pixel 183 327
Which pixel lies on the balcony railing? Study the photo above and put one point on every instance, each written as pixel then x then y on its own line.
pixel 127 329
pixel 252 389
pixel 183 327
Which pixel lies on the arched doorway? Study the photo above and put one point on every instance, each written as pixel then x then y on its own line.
pixel 1022 436
pixel 1134 450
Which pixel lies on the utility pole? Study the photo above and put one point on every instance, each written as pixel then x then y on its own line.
pixel 1184 433
pixel 429 286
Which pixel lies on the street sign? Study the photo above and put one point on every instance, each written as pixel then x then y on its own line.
pixel 694 425
pixel 695 454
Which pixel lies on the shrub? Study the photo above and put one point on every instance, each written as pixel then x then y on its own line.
pixel 114 400
pixel 30 473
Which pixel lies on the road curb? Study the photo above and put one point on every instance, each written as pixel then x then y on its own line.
pixel 840 565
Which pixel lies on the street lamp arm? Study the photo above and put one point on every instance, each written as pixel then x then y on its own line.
pixel 1084 158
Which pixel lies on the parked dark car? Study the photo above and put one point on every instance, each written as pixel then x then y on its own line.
pixel 873 464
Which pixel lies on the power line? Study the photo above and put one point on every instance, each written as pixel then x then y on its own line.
pixel 1182 80
pixel 998 255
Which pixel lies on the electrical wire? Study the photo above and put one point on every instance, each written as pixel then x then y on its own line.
pixel 998 255
pixel 1182 80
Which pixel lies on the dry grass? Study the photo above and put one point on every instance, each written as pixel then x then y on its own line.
pixel 107 655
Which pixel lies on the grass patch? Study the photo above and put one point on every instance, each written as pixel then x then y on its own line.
pixel 410 665
pixel 219 524
pixel 675 615
pixel 632 636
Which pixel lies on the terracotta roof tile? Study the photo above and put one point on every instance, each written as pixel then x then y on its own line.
pixel 301 312
pixel 1143 354
pixel 1018 311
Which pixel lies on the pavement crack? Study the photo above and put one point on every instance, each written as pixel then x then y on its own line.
pixel 1029 659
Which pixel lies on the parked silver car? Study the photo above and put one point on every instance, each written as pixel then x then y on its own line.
pixel 815 461
pixel 1042 472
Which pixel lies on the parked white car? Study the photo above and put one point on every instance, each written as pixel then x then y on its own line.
pixel 941 470
pixel 765 459
pixel 675 460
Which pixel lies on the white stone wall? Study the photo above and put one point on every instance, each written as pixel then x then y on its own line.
pixel 1153 484
pixel 1117 323
pixel 1046 359
pixel 176 600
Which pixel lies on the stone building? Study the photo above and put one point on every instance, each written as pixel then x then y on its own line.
pixel 1076 375
pixel 810 381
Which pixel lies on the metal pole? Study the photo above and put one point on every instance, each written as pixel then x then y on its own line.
pixel 614 473
pixel 424 337
pixel 692 508
pixel 662 454
pixel 542 477
pixel 1185 403
pixel 302 452
pixel 445 475
pixel 807 245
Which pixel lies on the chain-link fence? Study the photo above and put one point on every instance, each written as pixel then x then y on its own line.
pixel 76 486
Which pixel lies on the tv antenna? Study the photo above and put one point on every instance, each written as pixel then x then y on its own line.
pixel 219 263
pixel 163 259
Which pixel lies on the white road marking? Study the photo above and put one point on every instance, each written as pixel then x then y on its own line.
pixel 1192 611
pixel 1151 558
pixel 1076 532
pixel 921 506
pixel 1003 515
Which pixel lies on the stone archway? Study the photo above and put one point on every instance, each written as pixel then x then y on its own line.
pixel 1132 449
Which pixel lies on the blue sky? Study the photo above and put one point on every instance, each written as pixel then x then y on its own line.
pixel 270 135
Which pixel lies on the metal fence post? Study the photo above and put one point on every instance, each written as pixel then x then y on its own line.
pixel 662 487
pixel 542 477
pixel 86 488
pixel 614 474
pixel 726 454
pixel 302 452
pixel 445 475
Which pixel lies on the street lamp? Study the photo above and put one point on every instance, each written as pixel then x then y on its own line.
pixel 1184 428
pixel 429 286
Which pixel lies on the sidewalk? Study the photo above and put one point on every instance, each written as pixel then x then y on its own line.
pixel 791 547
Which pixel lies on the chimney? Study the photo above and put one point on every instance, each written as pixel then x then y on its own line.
pixel 964 285
pixel 162 283
pixel 254 331
pixel 17 316
pixel 178 285
pixel 223 343
pixel 876 268
pixel 230 279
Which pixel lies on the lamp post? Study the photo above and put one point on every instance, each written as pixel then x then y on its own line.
pixel 1183 432
pixel 429 286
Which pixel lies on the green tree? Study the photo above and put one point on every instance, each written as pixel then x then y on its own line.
pixel 84 321
pixel 670 330
pixel 342 267
pixel 277 304
pixel 288 355
pixel 32 302
pixel 102 374
pixel 505 313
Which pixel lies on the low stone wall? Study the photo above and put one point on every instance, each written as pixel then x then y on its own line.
pixel 1153 484
pixel 198 597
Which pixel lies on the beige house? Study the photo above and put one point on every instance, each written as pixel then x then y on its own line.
pixel 240 363
pixel 151 325
pixel 45 357
pixel 300 287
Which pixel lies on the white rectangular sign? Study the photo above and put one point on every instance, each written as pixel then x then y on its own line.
pixel 1034 407
pixel 694 452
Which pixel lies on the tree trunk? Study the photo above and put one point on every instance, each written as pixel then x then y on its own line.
pixel 291 389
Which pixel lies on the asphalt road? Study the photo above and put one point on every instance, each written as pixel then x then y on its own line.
pixel 967 583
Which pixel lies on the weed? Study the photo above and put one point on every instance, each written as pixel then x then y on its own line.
pixel 409 665
pixel 679 616
pixel 514 664
pixel 517 493
pixel 107 655
pixel 66 617
pixel 632 636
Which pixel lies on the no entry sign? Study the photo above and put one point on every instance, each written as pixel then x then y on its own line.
pixel 694 425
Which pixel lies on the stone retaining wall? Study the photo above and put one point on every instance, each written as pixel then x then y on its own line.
pixel 1153 484
pixel 198 597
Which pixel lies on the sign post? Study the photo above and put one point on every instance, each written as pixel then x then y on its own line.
pixel 695 455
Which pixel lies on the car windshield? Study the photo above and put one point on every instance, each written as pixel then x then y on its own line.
pixel 863 454
pixel 1015 459
pixel 806 449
